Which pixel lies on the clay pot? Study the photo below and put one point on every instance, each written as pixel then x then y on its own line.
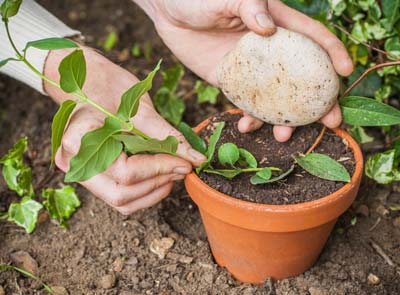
pixel 257 241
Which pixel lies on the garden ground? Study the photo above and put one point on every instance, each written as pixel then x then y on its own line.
pixel 107 253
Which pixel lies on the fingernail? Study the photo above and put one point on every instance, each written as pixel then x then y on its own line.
pixel 178 177
pixel 182 170
pixel 195 155
pixel 265 21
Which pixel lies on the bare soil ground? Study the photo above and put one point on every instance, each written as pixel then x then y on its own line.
pixel 106 253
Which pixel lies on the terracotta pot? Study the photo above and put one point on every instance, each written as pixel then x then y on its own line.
pixel 256 241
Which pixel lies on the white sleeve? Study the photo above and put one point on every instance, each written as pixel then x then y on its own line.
pixel 31 23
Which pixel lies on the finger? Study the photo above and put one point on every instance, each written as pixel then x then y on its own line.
pixel 130 170
pixel 160 129
pixel 147 201
pixel 248 123
pixel 293 20
pixel 282 133
pixel 334 118
pixel 117 195
pixel 256 17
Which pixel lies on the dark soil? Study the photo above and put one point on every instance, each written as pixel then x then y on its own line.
pixel 300 186
pixel 100 240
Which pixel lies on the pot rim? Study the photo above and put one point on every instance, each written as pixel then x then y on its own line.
pixel 333 197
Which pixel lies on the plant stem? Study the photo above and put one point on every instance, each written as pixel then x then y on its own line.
pixel 80 94
pixel 317 141
pixel 247 169
pixel 371 69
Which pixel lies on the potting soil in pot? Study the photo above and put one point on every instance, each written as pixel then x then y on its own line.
pixel 300 186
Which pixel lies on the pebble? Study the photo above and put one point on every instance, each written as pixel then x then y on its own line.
pixel 133 261
pixel 161 246
pixel 118 264
pixel 373 279
pixel 108 281
pixel 181 258
pixel 382 211
pixel 2 292
pixel 59 290
pixel 396 222
pixel 316 291
pixel 43 216
pixel 363 210
pixel 25 261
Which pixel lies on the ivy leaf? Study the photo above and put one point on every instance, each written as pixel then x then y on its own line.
pixel 110 41
pixel 206 93
pixel 61 203
pixel 359 134
pixel 131 98
pixel 392 46
pixel 136 144
pixel 211 146
pixel 363 111
pixel 391 10
pixel 247 158
pixel 324 167
pixel 51 44
pixel 169 106
pixel 9 8
pixel 224 173
pixel 97 152
pixel 25 213
pixel 261 176
pixel 172 76
pixel 258 180
pixel 381 167
pixel 17 175
pixel 58 125
pixel 228 153
pixel 193 138
pixel 72 71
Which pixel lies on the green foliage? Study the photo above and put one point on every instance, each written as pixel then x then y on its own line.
pixel 383 167
pixel 229 174
pixel 25 213
pixel 138 145
pixel 247 158
pixel 193 138
pixel 323 166
pixel 9 8
pixel 5 61
pixel 72 71
pixel 110 42
pixel 359 134
pixel 60 120
pixel 166 101
pixel 206 93
pixel 262 176
pixel 228 154
pixel 51 44
pixel 131 98
pixel 260 180
pixel 61 203
pixel 135 51
pixel 97 152
pixel 211 147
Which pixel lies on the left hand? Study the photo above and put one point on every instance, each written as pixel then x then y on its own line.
pixel 201 32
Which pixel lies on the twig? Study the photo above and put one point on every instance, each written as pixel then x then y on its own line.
pixel 382 253
pixel 363 43
pixel 375 224
pixel 371 69
pixel 317 141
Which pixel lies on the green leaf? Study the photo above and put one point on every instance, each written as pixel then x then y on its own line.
pixel 5 61
pixel 136 144
pixel 247 158
pixel 353 221
pixel 224 173
pixel 228 154
pixel 148 50
pixel 17 175
pixel 131 98
pixel 72 71
pixel 61 203
pixel 383 92
pixel 206 93
pixel 392 46
pixel 391 9
pixel 381 167
pixel 110 41
pixel 193 138
pixel 25 213
pixel 359 134
pixel 258 180
pixel 368 86
pixel 60 120
pixel 136 50
pixel 362 111
pixel 324 167
pixel 211 146
pixel 172 77
pixel 97 152
pixel 359 32
pixel 51 44
pixel 9 8
pixel 169 106
pixel 262 176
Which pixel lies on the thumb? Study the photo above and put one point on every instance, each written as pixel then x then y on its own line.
pixel 255 16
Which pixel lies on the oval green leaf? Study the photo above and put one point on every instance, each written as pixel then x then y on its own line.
pixel 51 44
pixel 247 158
pixel 193 138
pixel 324 167
pixel 72 71
pixel 224 173
pixel 228 154
pixel 137 145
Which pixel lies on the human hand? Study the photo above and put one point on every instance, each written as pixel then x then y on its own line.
pixel 201 32
pixel 130 183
